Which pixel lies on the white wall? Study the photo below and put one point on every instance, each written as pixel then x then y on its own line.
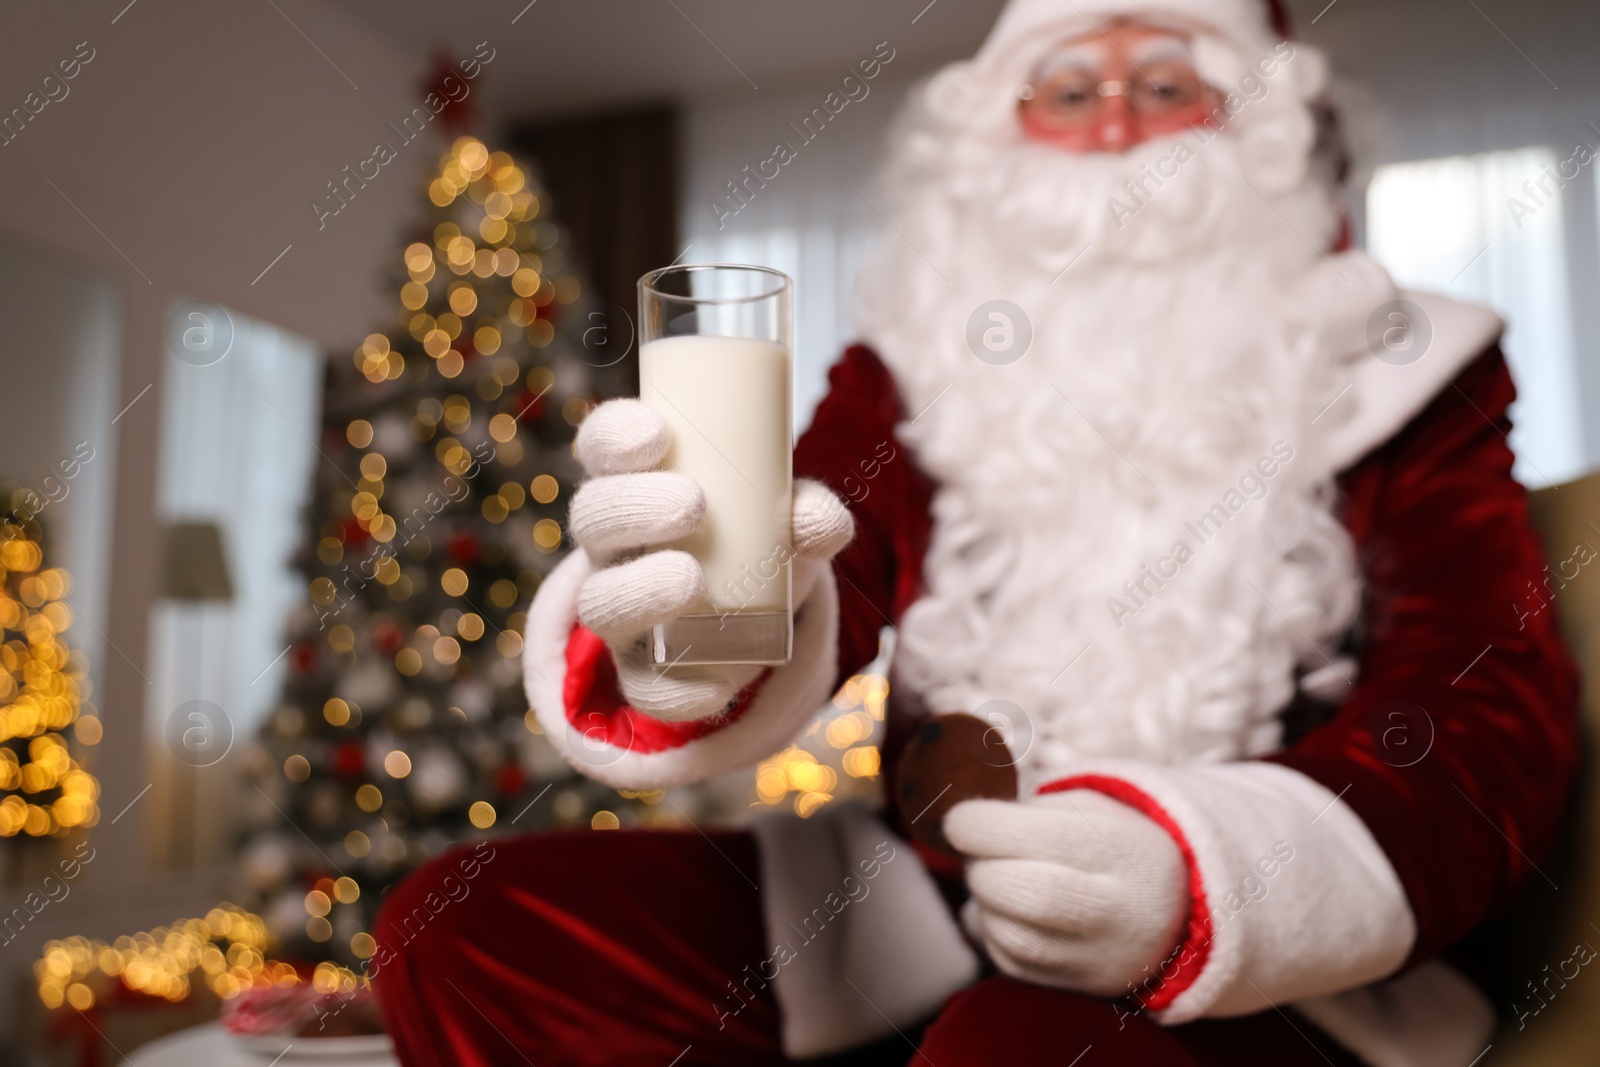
pixel 60 382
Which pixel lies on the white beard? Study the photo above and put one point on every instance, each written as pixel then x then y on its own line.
pixel 1170 358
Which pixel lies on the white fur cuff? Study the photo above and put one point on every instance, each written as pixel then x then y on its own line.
pixel 685 752
pixel 1298 898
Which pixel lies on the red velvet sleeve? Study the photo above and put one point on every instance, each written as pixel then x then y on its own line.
pixel 1460 740
pixel 850 447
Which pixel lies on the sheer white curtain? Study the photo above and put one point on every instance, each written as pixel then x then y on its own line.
pixel 815 221
pixel 237 449
pixel 1470 227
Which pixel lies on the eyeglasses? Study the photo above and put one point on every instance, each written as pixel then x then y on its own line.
pixel 1074 98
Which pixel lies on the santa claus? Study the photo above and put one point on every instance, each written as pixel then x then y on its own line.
pixel 1209 521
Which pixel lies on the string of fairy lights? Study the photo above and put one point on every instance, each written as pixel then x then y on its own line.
pixel 510 210
pixel 225 951
pixel 450 271
pixel 506 243
pixel 44 791
pixel 802 775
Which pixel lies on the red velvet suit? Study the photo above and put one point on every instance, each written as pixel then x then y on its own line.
pixel 1456 749
pixel 1446 549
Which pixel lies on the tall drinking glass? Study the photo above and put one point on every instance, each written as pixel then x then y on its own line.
pixel 714 362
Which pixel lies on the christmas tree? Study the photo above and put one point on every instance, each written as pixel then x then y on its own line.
pixel 43 689
pixel 403 728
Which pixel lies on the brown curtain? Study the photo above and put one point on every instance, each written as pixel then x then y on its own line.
pixel 614 179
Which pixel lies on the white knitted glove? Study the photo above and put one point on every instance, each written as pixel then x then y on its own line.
pixel 1073 889
pixel 623 511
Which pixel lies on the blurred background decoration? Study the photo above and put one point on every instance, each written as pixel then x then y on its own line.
pixel 293 360
pixel 46 720
pixel 445 468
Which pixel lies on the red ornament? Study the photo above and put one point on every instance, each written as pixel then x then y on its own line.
pixel 354 535
pixel 446 82
pixel 349 759
pixel 463 547
pixel 530 406
pixel 1278 15
pixel 387 638
pixel 303 657
pixel 510 780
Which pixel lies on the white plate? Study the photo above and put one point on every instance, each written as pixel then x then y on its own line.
pixel 362 1046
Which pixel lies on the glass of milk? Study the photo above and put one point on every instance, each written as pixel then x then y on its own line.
pixel 714 362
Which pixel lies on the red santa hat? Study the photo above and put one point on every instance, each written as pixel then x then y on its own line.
pixel 1251 26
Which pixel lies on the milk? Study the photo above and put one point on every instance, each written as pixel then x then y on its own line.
pixel 727 402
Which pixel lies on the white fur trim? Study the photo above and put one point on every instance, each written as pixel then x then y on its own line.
pixel 885 959
pixel 1384 397
pixel 1333 917
pixel 1429 1017
pixel 1023 22
pixel 790 697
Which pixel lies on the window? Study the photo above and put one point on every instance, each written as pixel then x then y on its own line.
pixel 1480 228
pixel 812 221
pixel 237 458
pixel 823 261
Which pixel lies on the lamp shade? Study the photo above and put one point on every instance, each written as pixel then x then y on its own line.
pixel 197 567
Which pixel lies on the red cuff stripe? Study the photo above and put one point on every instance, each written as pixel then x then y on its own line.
pixel 596 708
pixel 1180 969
